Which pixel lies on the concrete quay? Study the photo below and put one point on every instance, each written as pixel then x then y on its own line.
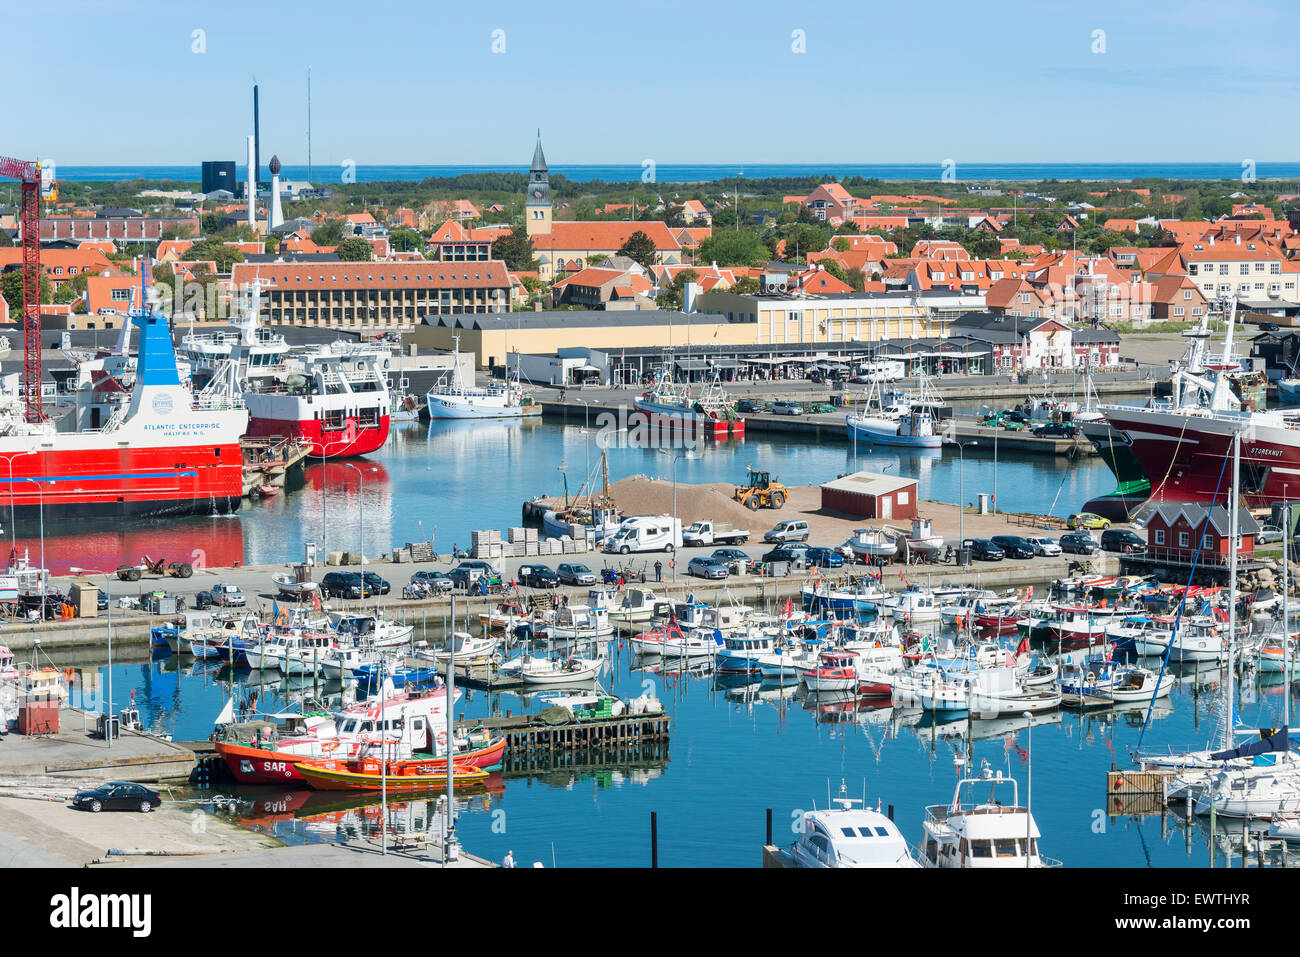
pixel 87 636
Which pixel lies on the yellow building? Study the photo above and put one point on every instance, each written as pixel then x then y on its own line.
pixel 848 317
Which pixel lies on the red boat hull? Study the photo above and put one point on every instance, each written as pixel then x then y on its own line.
pixel 263 766
pixel 349 440
pixel 117 482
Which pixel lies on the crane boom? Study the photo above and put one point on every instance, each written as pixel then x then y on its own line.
pixel 29 174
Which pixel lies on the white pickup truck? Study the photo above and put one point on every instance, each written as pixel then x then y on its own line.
pixel 710 533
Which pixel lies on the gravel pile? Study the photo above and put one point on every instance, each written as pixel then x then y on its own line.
pixel 640 495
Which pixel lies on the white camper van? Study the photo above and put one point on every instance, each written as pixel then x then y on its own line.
pixel 659 533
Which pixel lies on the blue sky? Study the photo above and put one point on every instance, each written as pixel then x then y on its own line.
pixel 117 81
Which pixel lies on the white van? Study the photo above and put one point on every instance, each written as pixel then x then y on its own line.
pixel 660 533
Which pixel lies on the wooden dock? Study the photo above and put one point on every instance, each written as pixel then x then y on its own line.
pixel 531 742
pixel 1136 792
pixel 267 461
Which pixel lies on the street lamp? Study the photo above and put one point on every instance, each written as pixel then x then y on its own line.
pixel 586 438
pixel 361 513
pixel 961 492
pixel 108 726
pixel 1029 786
pixel 685 453
pixel 40 492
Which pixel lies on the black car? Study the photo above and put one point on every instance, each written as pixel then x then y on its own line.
pixel 1014 415
pixel 344 585
pixel 789 552
pixel 538 576
pixel 1122 540
pixel 1013 546
pixel 376 584
pixel 983 550
pixel 1077 543
pixel 749 405
pixel 117 796
pixel 1055 430
pixel 1269 327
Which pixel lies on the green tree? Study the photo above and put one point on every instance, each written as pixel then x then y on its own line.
pixel 354 250
pixel 674 296
pixel 214 250
pixel 516 250
pixel 11 287
pixel 640 248
pixel 745 286
pixel 6 241
pixel 733 247
pixel 674 217
pixel 406 240
pixel 331 232
pixel 835 269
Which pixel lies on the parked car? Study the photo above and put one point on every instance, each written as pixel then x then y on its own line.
pixel 434 579
pixel 789 552
pixel 1087 520
pixel 790 530
pixel 1013 546
pixel 343 585
pixel 1044 546
pixel 707 567
pixel 117 796
pixel 377 585
pixel 575 573
pixel 749 405
pixel 1056 430
pixel 787 408
pixel 728 555
pixel 825 557
pixel 487 569
pixel 538 576
pixel 1078 543
pixel 1122 540
pixel 1268 534
pixel 227 596
pixel 983 550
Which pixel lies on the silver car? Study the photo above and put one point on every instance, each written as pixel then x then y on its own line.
pixel 575 573
pixel 1044 546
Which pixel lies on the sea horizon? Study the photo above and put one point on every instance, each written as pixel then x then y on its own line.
pixel 326 174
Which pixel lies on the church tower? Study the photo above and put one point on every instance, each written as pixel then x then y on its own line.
pixel 537 207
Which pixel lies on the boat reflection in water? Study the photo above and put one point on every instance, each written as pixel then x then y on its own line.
pixel 203 541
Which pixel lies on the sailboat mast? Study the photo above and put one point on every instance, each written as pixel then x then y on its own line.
pixel 1232 579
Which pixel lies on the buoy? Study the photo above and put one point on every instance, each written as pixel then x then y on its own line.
pixel 1119 783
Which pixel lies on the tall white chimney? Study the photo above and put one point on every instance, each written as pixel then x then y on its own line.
pixel 277 214
pixel 251 191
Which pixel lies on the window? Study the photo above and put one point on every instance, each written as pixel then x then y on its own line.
pixel 1207 540
pixel 1245 269
pixel 1223 269
pixel 1275 269
pixel 1005 847
pixel 1159 536
pixel 1184 539
pixel 1187 294
pixel 982 849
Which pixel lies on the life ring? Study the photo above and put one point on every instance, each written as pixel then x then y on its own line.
pixel 1089 678
pixel 69 675
pixel 442 739
pixel 329 745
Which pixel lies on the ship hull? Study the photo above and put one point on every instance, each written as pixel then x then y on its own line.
pixel 1185 455
pixel 350 440
pixel 1132 489
pixel 80 480
pixel 662 415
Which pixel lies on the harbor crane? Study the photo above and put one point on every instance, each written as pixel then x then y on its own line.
pixel 36 185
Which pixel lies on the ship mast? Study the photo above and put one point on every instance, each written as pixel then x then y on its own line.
pixel 1232 580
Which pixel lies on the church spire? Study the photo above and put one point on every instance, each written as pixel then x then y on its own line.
pixel 539 161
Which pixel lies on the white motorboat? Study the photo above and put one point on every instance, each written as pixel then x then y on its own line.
pixel 980 828
pixel 554 671
pixel 833 670
pixel 913 429
pixel 635 605
pixel 575 622
pixel 455 399
pixel 1254 792
pixel 870 544
pixel 850 835
pixel 913 605
pixel 465 649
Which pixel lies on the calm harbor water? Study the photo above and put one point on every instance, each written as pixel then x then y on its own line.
pixel 736 752
pixel 444 479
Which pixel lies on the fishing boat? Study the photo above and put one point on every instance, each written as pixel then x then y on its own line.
pixel 1102 683
pixel 575 622
pixel 913 604
pixel 739 653
pixel 849 834
pixel 291 589
pixel 833 670
pixel 399 778
pixel 634 606
pixel 559 670
pixel 911 430
pixel 200 648
pixel 921 540
pixel 869 545
pixel 7 670
pixel 855 597
pixel 466 648
pixel 668 404
pixel 455 399
pixel 984 826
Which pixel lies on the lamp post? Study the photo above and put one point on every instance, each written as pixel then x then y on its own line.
pixel 361 523
pixel 586 438
pixel 41 493
pixel 673 534
pixel 1029 786
pixel 108 727
pixel 13 540
pixel 961 491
